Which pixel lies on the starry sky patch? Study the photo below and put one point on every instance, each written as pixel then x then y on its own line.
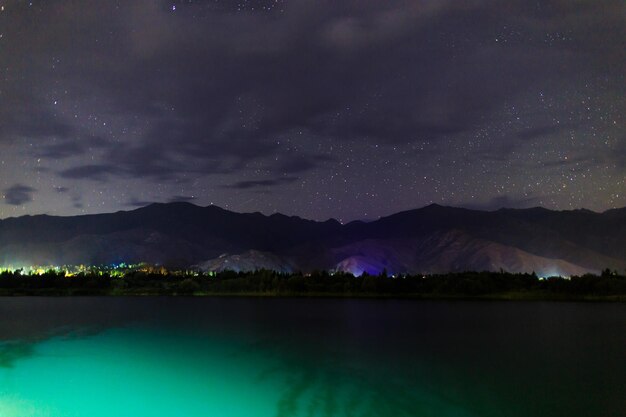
pixel 350 109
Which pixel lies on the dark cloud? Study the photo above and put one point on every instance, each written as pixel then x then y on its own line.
pixel 18 194
pixel 619 154
pixel 181 199
pixel 133 202
pixel 171 149
pixel 221 107
pixel 61 189
pixel 89 172
pixel 299 163
pixel 30 125
pixel 503 201
pixel 25 115
pixel 223 111
pixel 568 162
pixel 77 200
pixel 541 131
pixel 70 148
pixel 244 185
pixel 60 150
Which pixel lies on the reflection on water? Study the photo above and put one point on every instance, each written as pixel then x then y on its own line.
pixel 335 384
pixel 310 358
pixel 14 350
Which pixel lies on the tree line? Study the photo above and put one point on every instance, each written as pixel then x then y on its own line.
pixel 608 284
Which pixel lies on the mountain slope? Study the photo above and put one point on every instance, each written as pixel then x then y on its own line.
pixel 430 239
pixel 442 252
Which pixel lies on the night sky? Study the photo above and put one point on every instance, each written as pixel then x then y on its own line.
pixel 341 108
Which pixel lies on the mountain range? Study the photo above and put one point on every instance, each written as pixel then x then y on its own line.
pixel 432 239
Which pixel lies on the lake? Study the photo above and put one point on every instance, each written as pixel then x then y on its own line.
pixel 246 357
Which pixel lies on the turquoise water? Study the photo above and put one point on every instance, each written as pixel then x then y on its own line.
pixel 289 357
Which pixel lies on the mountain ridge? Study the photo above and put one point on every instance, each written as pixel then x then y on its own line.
pixel 182 234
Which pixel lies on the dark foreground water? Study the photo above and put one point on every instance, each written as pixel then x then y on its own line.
pixel 246 357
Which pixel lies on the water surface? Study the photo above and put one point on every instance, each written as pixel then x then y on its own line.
pixel 153 357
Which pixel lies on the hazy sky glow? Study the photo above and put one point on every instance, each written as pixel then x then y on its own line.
pixel 347 109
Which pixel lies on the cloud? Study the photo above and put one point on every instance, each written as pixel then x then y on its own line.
pixel 24 115
pixel 18 194
pixel 181 199
pixel 244 185
pixel 67 148
pixel 217 110
pixel 503 201
pixel 541 131
pixel 618 154
pixel 90 172
pixel 291 163
pixel 578 161
pixel 77 200
pixel 59 150
pixel 133 202
pixel 211 95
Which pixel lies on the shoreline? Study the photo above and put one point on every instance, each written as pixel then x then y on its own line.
pixel 416 297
